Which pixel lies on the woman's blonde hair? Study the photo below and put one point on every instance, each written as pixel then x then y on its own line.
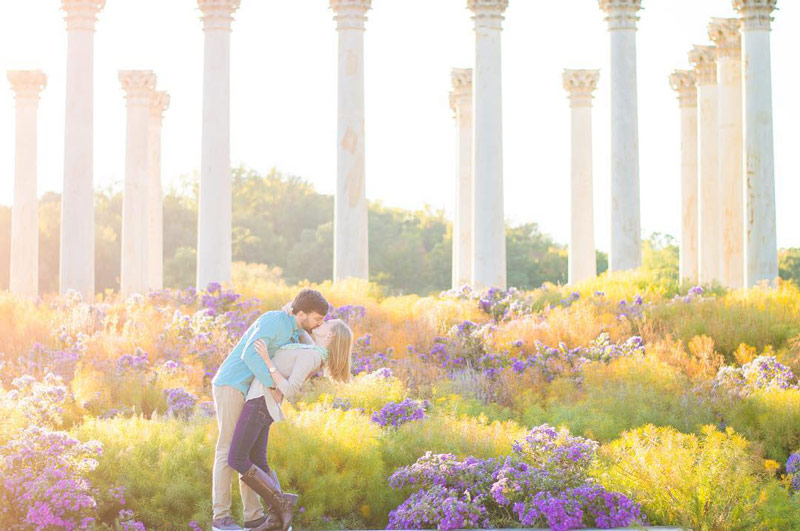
pixel 339 351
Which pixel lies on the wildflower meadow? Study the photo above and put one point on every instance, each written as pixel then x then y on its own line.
pixel 623 401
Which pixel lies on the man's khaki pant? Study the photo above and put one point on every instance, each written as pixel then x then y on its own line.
pixel 229 402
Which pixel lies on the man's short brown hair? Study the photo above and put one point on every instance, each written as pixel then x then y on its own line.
pixel 310 300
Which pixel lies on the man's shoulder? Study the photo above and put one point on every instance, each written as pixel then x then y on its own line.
pixel 274 315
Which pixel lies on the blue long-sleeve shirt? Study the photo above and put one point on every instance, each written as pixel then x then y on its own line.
pixel 276 328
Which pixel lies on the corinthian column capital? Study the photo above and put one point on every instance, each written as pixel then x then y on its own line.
pixel 581 85
pixel 81 14
pixel 461 94
pixel 138 85
pixel 488 13
pixel 27 84
pixel 159 102
pixel 350 14
pixel 621 14
pixel 704 60
pixel 756 14
pixel 726 35
pixel 684 82
pixel 218 14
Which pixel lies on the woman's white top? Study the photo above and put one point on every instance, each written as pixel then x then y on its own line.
pixel 296 362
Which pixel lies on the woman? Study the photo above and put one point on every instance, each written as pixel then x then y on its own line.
pixel 291 365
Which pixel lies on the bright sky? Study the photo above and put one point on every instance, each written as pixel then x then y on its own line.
pixel 284 97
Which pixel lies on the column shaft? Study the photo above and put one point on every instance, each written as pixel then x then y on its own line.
pixel 24 274
pixel 155 196
pixel 709 206
pixel 77 200
pixel 685 83
pixel 626 234
pixel 215 206
pixel 725 34
pixel 760 240
pixel 134 263
pixel 350 243
pixel 582 259
pixel 461 102
pixel 489 240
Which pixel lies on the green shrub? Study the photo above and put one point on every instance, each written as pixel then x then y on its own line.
pixel 622 395
pixel 770 417
pixel 714 481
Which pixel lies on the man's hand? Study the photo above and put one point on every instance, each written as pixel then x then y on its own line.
pixel 277 395
pixel 287 307
pixel 305 338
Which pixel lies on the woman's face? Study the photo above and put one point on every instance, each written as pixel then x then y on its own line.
pixel 322 334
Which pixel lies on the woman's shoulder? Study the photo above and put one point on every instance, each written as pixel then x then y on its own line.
pixel 300 350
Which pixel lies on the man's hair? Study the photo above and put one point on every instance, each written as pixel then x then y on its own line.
pixel 310 300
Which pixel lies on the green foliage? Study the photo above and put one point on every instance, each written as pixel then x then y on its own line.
pixel 789 264
pixel 660 254
pixel 713 481
pixel 164 464
pixel 533 258
pixel 769 417
pixel 624 394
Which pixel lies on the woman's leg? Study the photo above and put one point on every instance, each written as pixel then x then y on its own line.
pixel 248 430
pixel 258 452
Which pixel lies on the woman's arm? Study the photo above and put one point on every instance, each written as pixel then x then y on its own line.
pixel 303 367
pixel 263 351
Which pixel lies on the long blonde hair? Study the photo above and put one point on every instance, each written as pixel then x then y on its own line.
pixel 339 351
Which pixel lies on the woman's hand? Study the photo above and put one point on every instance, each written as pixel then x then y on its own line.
pixel 263 351
pixel 277 395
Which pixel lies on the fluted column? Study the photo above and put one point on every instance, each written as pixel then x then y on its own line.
pixel 139 86
pixel 760 240
pixel 350 236
pixel 76 265
pixel 489 235
pixel 581 84
pixel 159 103
pixel 461 103
pixel 214 225
pixel 684 82
pixel 27 85
pixel 704 60
pixel 724 32
pixel 626 232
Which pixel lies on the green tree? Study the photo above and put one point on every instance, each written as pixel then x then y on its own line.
pixel 789 264
pixel 533 258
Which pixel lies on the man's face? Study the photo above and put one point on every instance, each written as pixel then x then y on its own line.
pixel 309 321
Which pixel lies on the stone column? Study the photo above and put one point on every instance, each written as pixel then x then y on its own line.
pixel 214 225
pixel 489 235
pixel 350 237
pixel 581 84
pixel 760 240
pixel 704 60
pixel 461 103
pixel 76 263
pixel 626 231
pixel 159 103
pixel 684 82
pixel 27 85
pixel 724 32
pixel 139 86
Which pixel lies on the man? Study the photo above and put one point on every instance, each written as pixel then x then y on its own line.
pixel 230 385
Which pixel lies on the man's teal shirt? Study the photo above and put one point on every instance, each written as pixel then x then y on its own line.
pixel 276 328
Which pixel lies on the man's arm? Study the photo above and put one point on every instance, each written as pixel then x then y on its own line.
pixel 267 329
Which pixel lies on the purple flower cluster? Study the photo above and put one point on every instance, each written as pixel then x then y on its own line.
pixel 504 304
pixel 793 469
pixel 696 292
pixel 180 402
pixel 763 373
pixel 544 482
pixel 227 306
pixel 40 402
pixel 127 522
pixel 395 414
pixel 350 314
pixel 139 361
pixel 587 505
pixel 169 297
pixel 369 363
pixel 43 483
pixel 41 360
